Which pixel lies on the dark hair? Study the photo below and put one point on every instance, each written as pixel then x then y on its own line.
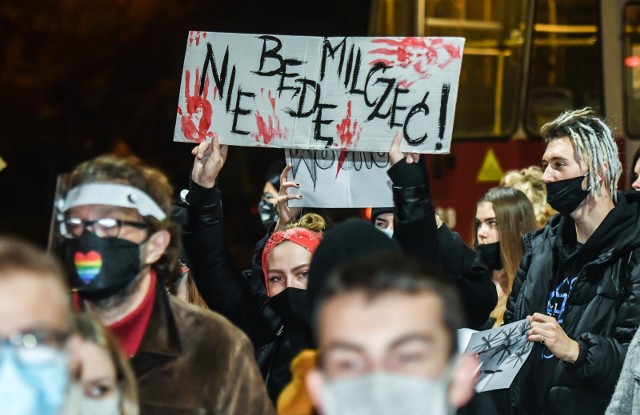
pixel 394 272
pixel 272 175
pixel 132 171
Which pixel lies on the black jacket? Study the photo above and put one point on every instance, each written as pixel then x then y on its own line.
pixel 602 311
pixel 416 231
pixel 228 291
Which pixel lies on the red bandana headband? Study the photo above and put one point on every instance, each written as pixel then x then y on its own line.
pixel 303 237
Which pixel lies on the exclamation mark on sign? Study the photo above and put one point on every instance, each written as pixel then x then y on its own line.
pixel 442 121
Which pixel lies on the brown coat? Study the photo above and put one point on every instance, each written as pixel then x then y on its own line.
pixel 193 361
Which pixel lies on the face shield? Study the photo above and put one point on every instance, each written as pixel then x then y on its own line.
pixel 99 262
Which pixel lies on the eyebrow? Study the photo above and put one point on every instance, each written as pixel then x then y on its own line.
pixel 421 337
pixel 554 158
pixel 294 269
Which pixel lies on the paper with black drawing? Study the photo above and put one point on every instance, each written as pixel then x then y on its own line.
pixel 502 352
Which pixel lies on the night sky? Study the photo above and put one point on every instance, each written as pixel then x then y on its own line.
pixel 81 78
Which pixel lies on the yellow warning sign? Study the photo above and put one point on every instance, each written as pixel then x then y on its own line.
pixel 3 164
pixel 490 170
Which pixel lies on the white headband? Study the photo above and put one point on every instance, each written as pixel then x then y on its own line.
pixel 113 195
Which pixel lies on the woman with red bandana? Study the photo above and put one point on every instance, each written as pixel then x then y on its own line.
pixel 276 322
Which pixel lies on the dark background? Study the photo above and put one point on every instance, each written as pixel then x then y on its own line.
pixel 80 78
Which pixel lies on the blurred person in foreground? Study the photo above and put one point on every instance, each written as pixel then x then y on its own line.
pixel 386 330
pixel 36 344
pixel 105 378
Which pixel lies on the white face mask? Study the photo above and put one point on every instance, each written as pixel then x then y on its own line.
pixel 103 406
pixel 383 393
pixel 388 232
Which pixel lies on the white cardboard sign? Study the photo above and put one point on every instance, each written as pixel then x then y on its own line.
pixel 339 179
pixel 319 93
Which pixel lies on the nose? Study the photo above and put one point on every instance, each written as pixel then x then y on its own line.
pixel 636 184
pixel 547 176
pixel 482 233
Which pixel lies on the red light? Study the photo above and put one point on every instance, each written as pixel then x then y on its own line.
pixel 632 61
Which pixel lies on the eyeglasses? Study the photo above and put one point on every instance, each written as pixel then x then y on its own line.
pixel 102 228
pixel 35 348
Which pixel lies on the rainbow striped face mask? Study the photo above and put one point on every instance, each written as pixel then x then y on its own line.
pixel 100 267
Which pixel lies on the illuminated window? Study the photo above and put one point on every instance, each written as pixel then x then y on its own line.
pixel 566 69
pixel 493 63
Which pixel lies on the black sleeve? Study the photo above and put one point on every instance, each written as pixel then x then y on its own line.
pixel 416 231
pixel 221 284
pixel 414 226
pixel 477 291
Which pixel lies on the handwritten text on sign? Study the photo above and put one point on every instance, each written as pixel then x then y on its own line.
pixel 319 93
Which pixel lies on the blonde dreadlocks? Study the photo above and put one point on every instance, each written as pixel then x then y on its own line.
pixel 594 144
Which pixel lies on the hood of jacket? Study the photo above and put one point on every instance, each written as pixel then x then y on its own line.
pixel 616 235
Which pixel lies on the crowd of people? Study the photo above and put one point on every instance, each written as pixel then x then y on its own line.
pixel 141 308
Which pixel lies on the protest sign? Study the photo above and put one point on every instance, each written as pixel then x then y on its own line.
pixel 318 93
pixel 502 352
pixel 347 179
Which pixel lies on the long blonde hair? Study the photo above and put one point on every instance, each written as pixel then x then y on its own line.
pixel 515 218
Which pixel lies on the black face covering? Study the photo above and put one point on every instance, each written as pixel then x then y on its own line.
pixel 291 305
pixel 100 267
pixel 490 255
pixel 566 195
pixel 268 213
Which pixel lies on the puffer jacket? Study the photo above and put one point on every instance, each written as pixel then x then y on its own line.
pixel 602 311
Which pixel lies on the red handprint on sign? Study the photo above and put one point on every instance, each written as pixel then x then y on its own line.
pixel 197 119
pixel 195 36
pixel 421 54
pixel 349 134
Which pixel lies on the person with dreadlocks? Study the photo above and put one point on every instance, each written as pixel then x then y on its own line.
pixel 579 279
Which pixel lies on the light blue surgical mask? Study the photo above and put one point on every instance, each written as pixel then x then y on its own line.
pixel 383 393
pixel 35 384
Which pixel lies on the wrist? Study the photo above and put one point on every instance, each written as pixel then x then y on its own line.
pixel 574 352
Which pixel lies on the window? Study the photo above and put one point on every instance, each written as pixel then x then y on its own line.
pixel 566 69
pixel 631 56
pixel 493 63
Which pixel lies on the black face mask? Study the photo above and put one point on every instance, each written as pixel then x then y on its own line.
pixel 100 267
pixel 268 213
pixel 291 306
pixel 490 255
pixel 566 195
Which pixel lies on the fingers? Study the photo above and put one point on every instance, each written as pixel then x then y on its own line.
pixel 395 154
pixel 412 158
pixel 285 173
pixel 397 142
pixel 200 150
pixel 284 186
pixel 286 197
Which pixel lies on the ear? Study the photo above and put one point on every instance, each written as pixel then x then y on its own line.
pixel 315 387
pixel 602 170
pixel 155 247
pixel 463 380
